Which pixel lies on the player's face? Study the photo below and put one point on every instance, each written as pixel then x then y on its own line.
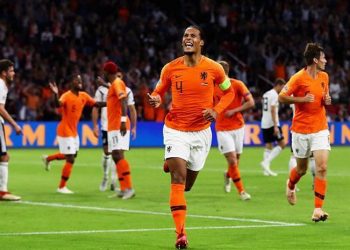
pixel 321 62
pixel 10 74
pixel 191 41
pixel 78 83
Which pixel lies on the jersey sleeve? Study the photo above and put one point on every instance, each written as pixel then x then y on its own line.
pixel 243 90
pixel 98 95
pixel 274 100
pixel 130 97
pixel 221 79
pixel 3 94
pixel 119 89
pixel 164 81
pixel 89 100
pixel 63 99
pixel 290 87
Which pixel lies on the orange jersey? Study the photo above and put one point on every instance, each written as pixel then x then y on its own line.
pixel 236 121
pixel 72 106
pixel 116 92
pixel 309 117
pixel 192 90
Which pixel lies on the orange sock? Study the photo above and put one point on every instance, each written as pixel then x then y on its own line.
pixel 235 175
pixel 67 169
pixel 57 156
pixel 124 175
pixel 320 191
pixel 294 177
pixel 178 207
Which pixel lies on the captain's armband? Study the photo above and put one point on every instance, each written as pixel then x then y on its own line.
pixel 225 85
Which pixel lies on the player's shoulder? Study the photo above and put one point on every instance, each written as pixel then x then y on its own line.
pixel 236 82
pixel 211 63
pixel 101 89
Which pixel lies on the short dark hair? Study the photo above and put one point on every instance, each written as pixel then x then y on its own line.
pixel 225 65
pixel 5 64
pixel 312 50
pixel 201 34
pixel 280 81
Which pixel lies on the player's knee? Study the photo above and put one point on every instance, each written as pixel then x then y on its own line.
pixel 70 159
pixel 322 169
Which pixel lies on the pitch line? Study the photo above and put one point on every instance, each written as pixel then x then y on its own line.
pixel 122 210
pixel 140 230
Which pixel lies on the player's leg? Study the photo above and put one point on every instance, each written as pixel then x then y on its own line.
pixel 106 159
pixel 178 205
pixel 320 148
pixel 48 158
pixel 268 138
pixel 69 146
pixel 278 148
pixel 301 150
pixel 177 153
pixel 226 145
pixel 312 165
pixel 4 163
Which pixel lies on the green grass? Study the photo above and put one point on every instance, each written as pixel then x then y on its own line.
pixel 74 225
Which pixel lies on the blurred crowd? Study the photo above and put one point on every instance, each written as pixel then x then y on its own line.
pixel 262 40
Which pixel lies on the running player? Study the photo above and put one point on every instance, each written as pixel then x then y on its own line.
pixel 230 132
pixel 187 135
pixel 271 127
pixel 308 90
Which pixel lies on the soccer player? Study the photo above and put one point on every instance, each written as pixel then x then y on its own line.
pixel 118 128
pixel 271 127
pixel 308 90
pixel 230 132
pixel 7 74
pixel 71 105
pixel 187 135
pixel 101 95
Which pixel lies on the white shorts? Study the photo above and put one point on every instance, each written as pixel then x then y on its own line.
pixel 68 145
pixel 231 141
pixel 304 144
pixel 118 142
pixel 193 147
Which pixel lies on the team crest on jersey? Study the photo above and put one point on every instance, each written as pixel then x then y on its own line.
pixel 204 75
pixel 168 148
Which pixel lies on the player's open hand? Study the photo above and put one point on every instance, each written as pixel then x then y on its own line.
pixel 133 133
pixel 154 101
pixel 53 87
pixel 96 131
pixel 18 129
pixel 209 114
pixel 309 98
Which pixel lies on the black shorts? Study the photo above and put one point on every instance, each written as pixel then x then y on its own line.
pixel 3 149
pixel 104 138
pixel 268 135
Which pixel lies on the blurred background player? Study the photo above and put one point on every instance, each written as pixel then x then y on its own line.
pixel 308 90
pixel 187 135
pixel 101 95
pixel 71 105
pixel 230 132
pixel 119 128
pixel 271 127
pixel 7 74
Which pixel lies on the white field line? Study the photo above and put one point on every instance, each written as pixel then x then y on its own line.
pixel 121 210
pixel 256 169
pixel 143 230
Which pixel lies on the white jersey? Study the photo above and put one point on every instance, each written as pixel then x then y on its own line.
pixel 270 98
pixel 3 95
pixel 101 96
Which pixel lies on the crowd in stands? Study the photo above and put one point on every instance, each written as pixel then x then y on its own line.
pixel 262 40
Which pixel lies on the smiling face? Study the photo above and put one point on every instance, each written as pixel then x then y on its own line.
pixel 77 83
pixel 191 41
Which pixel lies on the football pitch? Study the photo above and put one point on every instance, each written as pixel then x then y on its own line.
pixel 89 219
